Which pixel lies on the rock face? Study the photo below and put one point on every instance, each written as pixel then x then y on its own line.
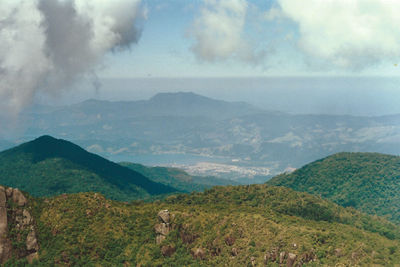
pixel 282 257
pixel 163 215
pixel 15 215
pixel 18 198
pixel 291 259
pixel 31 241
pixel 163 228
pixel 5 244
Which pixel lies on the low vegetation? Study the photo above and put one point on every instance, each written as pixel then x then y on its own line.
pixel 224 226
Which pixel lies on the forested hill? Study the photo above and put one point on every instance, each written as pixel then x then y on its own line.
pixel 255 225
pixel 49 166
pixel 369 182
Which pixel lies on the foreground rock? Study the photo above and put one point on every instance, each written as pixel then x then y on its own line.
pixel 198 253
pixel 16 225
pixel 163 228
pixel 291 259
pixel 5 243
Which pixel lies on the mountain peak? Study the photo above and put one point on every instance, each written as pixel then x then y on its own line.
pixel 47 146
pixel 179 96
pixel 45 138
pixel 41 156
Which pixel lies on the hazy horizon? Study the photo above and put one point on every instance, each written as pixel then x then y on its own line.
pixel 357 95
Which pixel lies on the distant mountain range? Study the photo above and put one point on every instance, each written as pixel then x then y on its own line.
pixel 185 128
pixel 369 182
pixel 47 166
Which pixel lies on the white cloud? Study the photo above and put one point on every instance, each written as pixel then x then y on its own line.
pixel 46 44
pixel 218 32
pixel 352 34
pixel 273 14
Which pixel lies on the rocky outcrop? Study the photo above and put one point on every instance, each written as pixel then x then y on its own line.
pixel 163 215
pixel 271 256
pixel 18 198
pixel 163 228
pixel 253 261
pixel 15 215
pixel 274 256
pixel 31 241
pixel 291 260
pixel 308 257
pixel 234 252
pixel 198 253
pixel 282 257
pixel 5 243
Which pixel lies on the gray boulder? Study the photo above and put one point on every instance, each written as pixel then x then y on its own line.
pixel 164 216
pixel 18 197
pixel 31 241
pixel 291 259
pixel 162 228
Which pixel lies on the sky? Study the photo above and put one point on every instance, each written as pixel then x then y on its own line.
pixel 263 38
pixel 51 49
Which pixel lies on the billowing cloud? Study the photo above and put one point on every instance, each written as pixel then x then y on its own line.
pixel 218 32
pixel 45 45
pixel 352 34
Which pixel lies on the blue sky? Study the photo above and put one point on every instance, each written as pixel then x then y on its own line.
pixel 164 49
pixel 48 47
pixel 165 46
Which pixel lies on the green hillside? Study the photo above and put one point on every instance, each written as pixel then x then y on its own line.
pixel 48 166
pixel 369 182
pixel 177 178
pixel 224 226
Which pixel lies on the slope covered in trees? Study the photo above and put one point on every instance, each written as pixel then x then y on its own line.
pixel 369 182
pixel 48 166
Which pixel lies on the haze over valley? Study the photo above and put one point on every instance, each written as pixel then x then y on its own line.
pixel 204 136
